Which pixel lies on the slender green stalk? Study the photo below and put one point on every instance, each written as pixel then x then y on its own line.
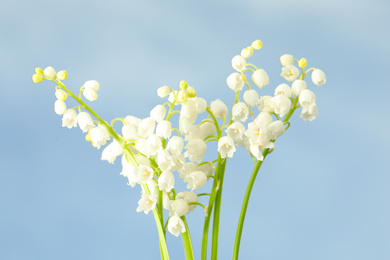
pixel 188 250
pixel 217 213
pixel 245 206
pixel 209 210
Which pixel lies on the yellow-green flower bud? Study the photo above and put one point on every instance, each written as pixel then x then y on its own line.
pixel 302 63
pixel 182 96
pixel 247 52
pixel 183 84
pixel 257 45
pixel 37 78
pixel 39 71
pixel 62 75
pixel 191 92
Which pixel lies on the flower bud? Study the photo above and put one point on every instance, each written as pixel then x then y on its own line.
pixel 182 96
pixel 90 94
pixel 191 92
pixel 158 113
pixel 297 87
pixel 183 84
pixel 247 52
pixel 257 45
pixel 39 71
pixel 260 78
pixel 92 85
pixel 50 72
pixel 61 95
pixel 318 77
pixel 62 75
pixel 286 59
pixel 302 63
pixel 251 97
pixel 163 91
pixel 59 107
pixel 37 78
pixel 218 108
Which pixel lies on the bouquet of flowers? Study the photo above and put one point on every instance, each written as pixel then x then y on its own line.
pixel 155 153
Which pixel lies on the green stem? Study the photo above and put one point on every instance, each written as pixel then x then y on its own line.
pixel 217 213
pixel 245 206
pixel 188 250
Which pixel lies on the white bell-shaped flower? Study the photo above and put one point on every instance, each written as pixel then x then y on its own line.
pixel 132 120
pixel 195 180
pixel 236 131
pixel 307 98
pixel 147 203
pixel 309 113
pixel 200 104
pixel 144 173
pixel 265 104
pixel 318 77
pixel 281 104
pixel 187 169
pixel 129 171
pixel 260 78
pixel 290 73
pixel 251 97
pixel 99 136
pixel 164 160
pixel 166 181
pixel 112 151
pixel 158 113
pixel 69 119
pixel 153 144
pixel 218 108
pixel 59 107
pixel 61 95
pixel 188 196
pixel 176 226
pixel 130 132
pixel 240 112
pixel 207 129
pixel 238 63
pixel 146 127
pixel 178 207
pixel 226 147
pixel 263 119
pixel 286 59
pixel 276 128
pixel 196 149
pixel 235 81
pixel 85 121
pixel 164 129
pixel 297 87
pixel 175 144
pixel 283 89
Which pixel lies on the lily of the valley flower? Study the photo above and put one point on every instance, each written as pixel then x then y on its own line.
pixel 226 147
pixel 318 77
pixel 176 226
pixel 260 78
pixel 69 119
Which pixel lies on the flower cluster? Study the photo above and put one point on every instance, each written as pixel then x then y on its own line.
pixel 154 153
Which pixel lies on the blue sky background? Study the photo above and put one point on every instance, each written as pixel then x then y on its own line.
pixel 323 194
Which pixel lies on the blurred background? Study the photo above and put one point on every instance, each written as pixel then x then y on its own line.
pixel 323 194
